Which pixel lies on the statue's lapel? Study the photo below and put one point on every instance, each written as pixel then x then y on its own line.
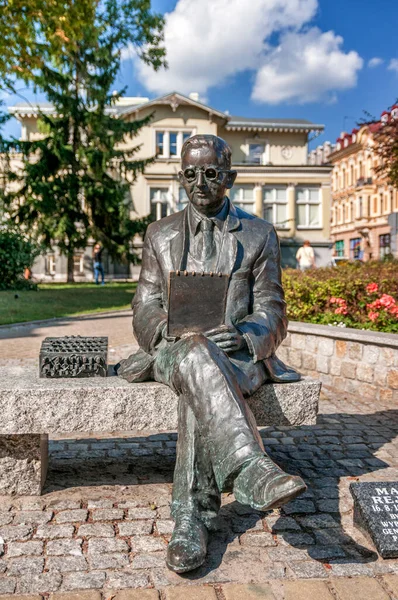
pixel 177 241
pixel 230 245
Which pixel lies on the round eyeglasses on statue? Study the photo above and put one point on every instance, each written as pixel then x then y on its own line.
pixel 210 173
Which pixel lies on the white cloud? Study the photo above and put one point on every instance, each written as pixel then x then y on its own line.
pixel 306 67
pixel 209 40
pixel 375 62
pixel 393 66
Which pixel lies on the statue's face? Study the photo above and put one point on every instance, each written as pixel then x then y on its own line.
pixel 205 178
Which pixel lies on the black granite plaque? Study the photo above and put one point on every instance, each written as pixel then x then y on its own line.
pixel 74 356
pixel 376 514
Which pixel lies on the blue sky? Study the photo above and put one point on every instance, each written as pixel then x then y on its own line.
pixel 275 58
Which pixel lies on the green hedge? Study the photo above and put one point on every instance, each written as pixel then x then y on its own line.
pixel 17 253
pixel 363 296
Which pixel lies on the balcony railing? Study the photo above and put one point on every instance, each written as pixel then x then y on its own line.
pixel 364 181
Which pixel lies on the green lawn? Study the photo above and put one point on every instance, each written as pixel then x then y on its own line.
pixel 63 300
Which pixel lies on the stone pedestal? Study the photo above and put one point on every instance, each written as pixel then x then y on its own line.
pixel 29 404
pixel 23 463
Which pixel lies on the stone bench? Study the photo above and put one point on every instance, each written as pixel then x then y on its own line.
pixel 31 408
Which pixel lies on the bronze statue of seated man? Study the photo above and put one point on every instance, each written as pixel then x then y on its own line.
pixel 219 448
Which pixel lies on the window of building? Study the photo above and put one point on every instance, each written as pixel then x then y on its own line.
pixel 256 153
pixel 339 247
pixel 352 175
pixel 160 143
pixel 360 208
pixel 384 245
pixel 78 263
pixel 243 196
pixel 381 204
pixel 375 205
pixel 50 264
pixel 182 199
pixel 159 202
pixel 173 144
pixel 169 143
pixel 275 206
pixel 308 207
pixel 355 248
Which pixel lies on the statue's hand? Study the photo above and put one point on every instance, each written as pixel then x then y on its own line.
pixel 227 338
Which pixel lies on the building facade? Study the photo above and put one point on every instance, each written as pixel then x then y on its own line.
pixel 275 180
pixel 364 214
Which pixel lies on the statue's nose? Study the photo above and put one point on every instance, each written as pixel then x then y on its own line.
pixel 201 179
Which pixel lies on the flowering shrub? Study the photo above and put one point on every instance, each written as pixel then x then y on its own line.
pixel 363 296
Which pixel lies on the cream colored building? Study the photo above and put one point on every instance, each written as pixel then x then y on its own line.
pixel 364 215
pixel 275 180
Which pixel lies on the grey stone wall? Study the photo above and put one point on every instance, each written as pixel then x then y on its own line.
pixel 350 360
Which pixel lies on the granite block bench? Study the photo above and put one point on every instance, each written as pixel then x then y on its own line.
pixel 32 408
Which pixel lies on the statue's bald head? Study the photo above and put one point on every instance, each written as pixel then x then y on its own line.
pixel 215 144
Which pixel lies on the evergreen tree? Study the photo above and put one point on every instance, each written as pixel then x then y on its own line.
pixel 77 178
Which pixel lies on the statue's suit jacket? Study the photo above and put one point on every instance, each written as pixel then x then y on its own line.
pixel 255 304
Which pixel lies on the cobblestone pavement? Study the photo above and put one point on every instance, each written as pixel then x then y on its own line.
pixel 103 522
pixel 21 342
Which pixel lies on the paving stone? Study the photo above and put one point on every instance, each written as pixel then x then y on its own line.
pixel 64 564
pixel 277 524
pixel 308 569
pixel 137 595
pixel 71 516
pixel 83 581
pixel 149 561
pixel 128 528
pixel 53 532
pixel 261 540
pixel 106 545
pixel 391 583
pixel 6 518
pixel 351 569
pixel 100 502
pixel 303 590
pixel 363 588
pixel 107 514
pixel 164 527
pixel 64 547
pixel 11 533
pixel 76 596
pixel 20 566
pixel 64 504
pixel 147 544
pixel 33 517
pixel 191 593
pixel 248 592
pixel 299 507
pixel 318 521
pixel 7 586
pixel 297 540
pixel 108 561
pixel 118 580
pixel 326 552
pixel 141 513
pixel 96 530
pixel 47 582
pixel 15 549
pixel 24 597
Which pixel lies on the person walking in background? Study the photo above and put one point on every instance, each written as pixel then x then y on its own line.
pixel 98 268
pixel 305 256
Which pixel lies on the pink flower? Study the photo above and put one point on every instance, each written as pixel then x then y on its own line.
pixel 373 316
pixel 371 288
pixel 333 300
pixel 394 310
pixel 342 310
pixel 387 301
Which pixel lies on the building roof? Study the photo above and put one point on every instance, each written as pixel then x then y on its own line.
pixel 126 106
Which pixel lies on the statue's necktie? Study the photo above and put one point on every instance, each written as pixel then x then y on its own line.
pixel 207 227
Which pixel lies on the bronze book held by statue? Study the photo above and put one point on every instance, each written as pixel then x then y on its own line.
pixel 196 302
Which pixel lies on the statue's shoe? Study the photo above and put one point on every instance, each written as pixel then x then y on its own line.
pixel 264 486
pixel 188 545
